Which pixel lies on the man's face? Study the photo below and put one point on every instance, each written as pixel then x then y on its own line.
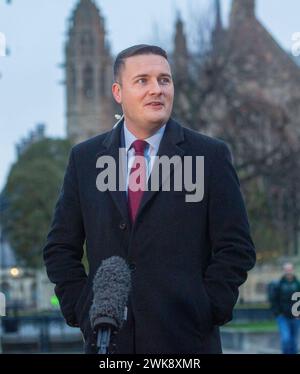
pixel 288 270
pixel 145 90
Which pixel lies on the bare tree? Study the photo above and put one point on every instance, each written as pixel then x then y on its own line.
pixel 214 96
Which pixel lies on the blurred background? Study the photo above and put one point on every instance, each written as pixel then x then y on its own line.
pixel 236 67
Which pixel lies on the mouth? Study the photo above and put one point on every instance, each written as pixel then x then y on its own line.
pixel 155 104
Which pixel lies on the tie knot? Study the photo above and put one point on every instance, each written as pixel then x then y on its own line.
pixel 139 146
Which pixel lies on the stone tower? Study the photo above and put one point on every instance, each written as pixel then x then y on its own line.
pixel 90 106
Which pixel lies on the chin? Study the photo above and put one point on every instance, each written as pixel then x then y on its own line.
pixel 157 120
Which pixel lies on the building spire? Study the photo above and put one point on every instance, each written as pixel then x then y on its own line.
pixel 180 48
pixel 242 10
pixel 218 29
pixel 218 20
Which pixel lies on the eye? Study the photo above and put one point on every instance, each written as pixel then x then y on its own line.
pixel 141 81
pixel 164 80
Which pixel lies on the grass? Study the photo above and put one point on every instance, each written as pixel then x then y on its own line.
pixel 263 326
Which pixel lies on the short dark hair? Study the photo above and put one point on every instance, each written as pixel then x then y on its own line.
pixel 140 49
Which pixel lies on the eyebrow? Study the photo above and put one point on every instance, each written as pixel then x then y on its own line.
pixel 147 75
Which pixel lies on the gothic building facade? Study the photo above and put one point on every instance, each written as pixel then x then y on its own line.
pixel 259 68
pixel 90 106
pixel 262 68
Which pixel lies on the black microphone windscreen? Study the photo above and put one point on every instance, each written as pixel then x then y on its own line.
pixel 111 288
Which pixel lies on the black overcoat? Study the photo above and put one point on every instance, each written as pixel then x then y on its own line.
pixel 187 259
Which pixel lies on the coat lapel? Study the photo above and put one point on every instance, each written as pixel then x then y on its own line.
pixel 113 141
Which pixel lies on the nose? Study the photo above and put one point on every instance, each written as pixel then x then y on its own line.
pixel 155 88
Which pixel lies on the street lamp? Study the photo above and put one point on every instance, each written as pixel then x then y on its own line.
pixel 14 272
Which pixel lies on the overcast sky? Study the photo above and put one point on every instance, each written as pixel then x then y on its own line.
pixel 30 84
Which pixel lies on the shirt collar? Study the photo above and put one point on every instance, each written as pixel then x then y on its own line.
pixel 153 140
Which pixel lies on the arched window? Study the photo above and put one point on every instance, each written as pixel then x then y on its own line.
pixel 86 43
pixel 88 82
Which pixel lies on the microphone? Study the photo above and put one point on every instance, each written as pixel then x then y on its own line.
pixel 111 288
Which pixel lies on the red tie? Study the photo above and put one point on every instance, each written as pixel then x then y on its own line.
pixel 137 178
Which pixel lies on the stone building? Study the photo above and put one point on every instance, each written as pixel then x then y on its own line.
pixel 90 106
pixel 258 67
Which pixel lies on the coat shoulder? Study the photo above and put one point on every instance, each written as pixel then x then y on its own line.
pixel 207 143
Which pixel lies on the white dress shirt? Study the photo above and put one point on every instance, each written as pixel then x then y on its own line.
pixel 150 151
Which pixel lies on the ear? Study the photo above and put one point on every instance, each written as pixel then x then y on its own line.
pixel 116 91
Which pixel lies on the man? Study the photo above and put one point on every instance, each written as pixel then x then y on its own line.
pixel 187 259
pixel 282 303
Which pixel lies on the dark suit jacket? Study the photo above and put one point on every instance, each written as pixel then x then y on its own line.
pixel 187 259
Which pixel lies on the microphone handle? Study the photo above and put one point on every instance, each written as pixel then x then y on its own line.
pixel 103 339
